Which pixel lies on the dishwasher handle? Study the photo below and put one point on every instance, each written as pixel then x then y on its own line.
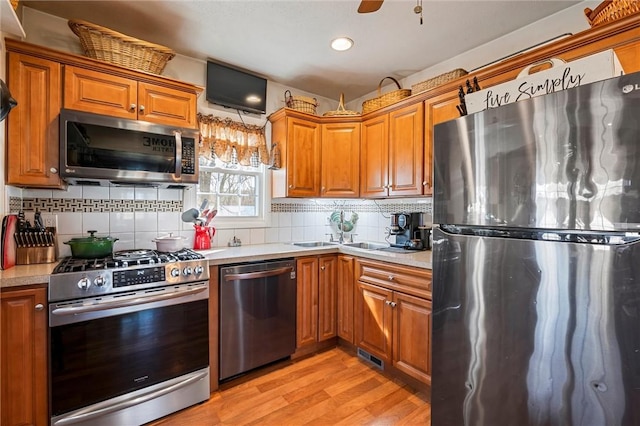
pixel 260 274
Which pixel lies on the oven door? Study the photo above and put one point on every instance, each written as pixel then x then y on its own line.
pixel 105 348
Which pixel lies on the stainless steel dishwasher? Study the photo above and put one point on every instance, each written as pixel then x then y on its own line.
pixel 257 315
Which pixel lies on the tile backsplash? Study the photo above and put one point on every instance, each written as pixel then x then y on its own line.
pixel 138 215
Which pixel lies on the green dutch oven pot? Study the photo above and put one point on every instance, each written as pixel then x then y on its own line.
pixel 92 246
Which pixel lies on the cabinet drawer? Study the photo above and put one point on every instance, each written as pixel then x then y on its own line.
pixel 414 281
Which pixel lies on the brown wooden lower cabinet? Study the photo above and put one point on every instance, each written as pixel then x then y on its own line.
pixel 214 342
pixel 316 311
pixel 345 297
pixel 23 364
pixel 389 322
pixel 412 319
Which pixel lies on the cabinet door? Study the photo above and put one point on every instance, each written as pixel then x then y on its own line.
pixel 303 158
pixel 374 157
pixel 340 176
pixel 406 148
pixel 345 297
pixel 307 301
pixel 373 320
pixel 23 365
pixel 166 106
pixel 412 336
pixel 100 93
pixel 33 127
pixel 327 297
pixel 436 110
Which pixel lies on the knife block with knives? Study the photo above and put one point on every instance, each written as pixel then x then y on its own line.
pixel 35 246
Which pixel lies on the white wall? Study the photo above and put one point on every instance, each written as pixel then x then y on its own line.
pixel 570 20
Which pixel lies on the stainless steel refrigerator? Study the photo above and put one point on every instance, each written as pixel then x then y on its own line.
pixel 536 261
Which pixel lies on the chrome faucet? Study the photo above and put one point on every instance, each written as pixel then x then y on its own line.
pixel 341 227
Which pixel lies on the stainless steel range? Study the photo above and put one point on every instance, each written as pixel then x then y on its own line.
pixel 129 337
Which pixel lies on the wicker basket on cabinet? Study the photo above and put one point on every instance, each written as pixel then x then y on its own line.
pixel 110 46
pixel 387 99
pixel 300 103
pixel 611 10
pixel 438 80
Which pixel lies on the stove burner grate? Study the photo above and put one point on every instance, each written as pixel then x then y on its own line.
pixel 123 259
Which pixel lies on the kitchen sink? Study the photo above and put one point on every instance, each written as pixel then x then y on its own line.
pixel 314 243
pixel 367 245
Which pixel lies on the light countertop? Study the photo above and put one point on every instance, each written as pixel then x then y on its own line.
pixel 39 274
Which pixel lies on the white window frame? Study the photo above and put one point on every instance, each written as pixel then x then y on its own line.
pixel 264 200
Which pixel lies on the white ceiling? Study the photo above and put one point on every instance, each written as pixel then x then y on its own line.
pixel 288 41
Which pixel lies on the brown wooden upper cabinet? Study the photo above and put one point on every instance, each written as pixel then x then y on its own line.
pixel 297 140
pixel 436 110
pixel 318 157
pixel 101 93
pixel 340 160
pixel 32 141
pixel 44 80
pixel 392 153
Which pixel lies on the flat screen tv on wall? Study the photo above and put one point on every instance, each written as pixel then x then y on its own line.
pixel 234 88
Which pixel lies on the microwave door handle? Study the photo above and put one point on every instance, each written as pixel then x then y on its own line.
pixel 178 136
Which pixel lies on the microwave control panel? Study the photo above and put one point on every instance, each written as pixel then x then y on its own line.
pixel 188 156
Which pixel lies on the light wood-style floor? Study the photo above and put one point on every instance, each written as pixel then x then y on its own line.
pixel 330 388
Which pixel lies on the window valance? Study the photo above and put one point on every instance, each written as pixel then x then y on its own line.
pixel 232 142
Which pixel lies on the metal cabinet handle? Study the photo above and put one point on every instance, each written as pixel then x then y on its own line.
pixel 53 170
pixel 132 107
pixel 388 302
pixel 393 304
pixel 390 277
pixel 141 109
pixel 322 268
pixel 39 307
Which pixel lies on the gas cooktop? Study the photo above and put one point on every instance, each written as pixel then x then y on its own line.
pixel 125 258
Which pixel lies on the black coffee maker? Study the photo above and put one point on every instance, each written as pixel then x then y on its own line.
pixel 410 231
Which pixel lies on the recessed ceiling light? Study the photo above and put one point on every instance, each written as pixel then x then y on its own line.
pixel 341 43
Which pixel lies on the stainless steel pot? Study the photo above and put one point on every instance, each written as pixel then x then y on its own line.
pixel 91 247
pixel 169 243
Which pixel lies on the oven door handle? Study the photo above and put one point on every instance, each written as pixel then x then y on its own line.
pixel 73 310
pixel 261 274
pixel 104 408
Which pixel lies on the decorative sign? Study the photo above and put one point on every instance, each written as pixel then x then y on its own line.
pixel 562 75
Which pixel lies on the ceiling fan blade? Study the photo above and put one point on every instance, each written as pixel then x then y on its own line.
pixel 367 6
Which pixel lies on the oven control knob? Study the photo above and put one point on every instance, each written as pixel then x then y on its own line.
pixel 186 271
pixel 175 272
pixel 198 270
pixel 99 281
pixel 84 284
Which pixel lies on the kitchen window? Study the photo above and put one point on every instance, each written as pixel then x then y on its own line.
pixel 233 171
pixel 235 192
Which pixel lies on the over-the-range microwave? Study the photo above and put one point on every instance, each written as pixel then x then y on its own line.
pixel 101 150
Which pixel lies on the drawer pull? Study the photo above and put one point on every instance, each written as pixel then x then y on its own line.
pixel 132 107
pixel 39 307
